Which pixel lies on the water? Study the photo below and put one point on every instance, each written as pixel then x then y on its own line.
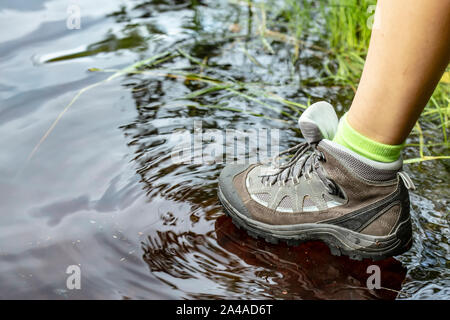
pixel 101 191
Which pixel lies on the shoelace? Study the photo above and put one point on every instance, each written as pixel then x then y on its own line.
pixel 300 164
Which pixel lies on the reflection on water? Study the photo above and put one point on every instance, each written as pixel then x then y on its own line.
pixel 102 190
pixel 251 268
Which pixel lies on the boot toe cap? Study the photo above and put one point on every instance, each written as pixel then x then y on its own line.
pixel 228 190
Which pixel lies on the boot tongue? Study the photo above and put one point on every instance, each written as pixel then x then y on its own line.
pixel 318 122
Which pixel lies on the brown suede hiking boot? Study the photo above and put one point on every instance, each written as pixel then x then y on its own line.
pixel 358 206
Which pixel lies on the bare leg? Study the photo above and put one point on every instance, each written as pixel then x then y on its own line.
pixel 407 56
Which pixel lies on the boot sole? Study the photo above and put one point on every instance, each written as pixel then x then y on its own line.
pixel 341 241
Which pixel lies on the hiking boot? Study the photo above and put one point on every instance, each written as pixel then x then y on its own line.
pixel 357 206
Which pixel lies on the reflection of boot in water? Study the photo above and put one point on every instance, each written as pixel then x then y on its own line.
pixel 309 271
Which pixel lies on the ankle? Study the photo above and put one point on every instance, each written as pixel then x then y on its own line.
pixel 348 137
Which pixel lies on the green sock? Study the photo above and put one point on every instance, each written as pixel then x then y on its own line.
pixel 355 141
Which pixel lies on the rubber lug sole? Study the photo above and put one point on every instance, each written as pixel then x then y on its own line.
pixel 340 241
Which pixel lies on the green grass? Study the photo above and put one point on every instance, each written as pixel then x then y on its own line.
pixel 344 28
pixel 347 24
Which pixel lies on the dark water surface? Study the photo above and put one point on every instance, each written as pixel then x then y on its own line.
pixel 102 192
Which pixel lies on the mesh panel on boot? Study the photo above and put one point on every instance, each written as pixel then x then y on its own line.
pixel 286 203
pixel 307 202
pixel 362 169
pixel 265 197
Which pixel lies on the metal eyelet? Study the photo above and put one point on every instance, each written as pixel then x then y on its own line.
pixel 324 159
